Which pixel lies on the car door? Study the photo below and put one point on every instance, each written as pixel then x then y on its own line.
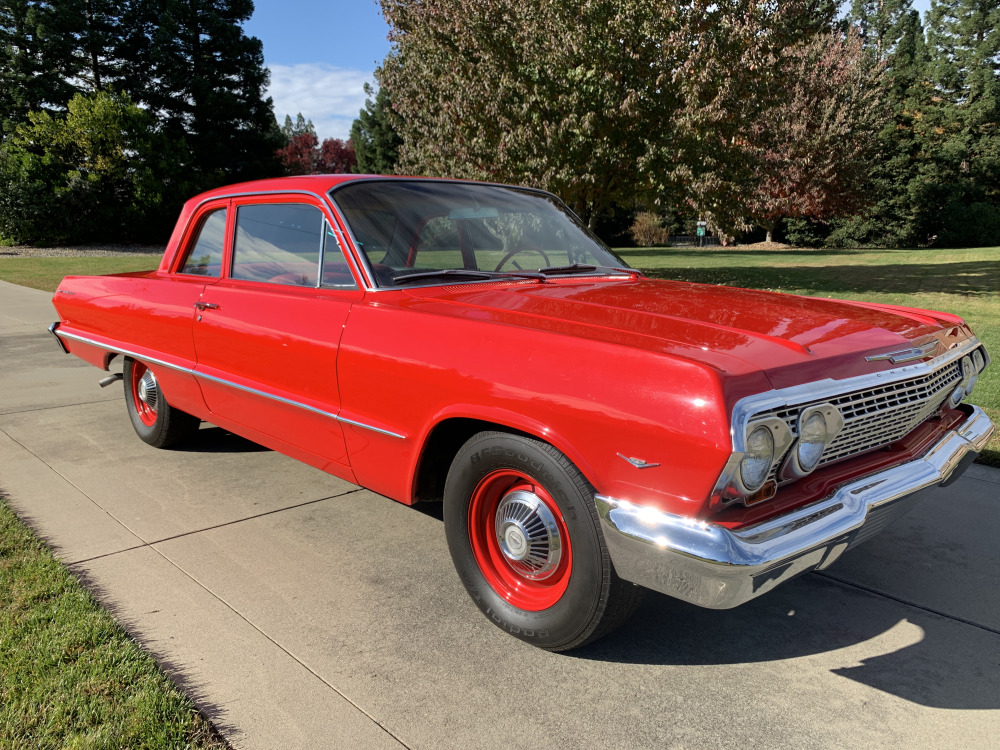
pixel 161 310
pixel 267 334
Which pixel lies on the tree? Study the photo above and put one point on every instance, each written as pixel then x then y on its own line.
pixel 881 24
pixel 601 102
pixel 96 173
pixel 301 125
pixel 190 62
pixel 374 135
pixel 960 128
pixel 304 155
pixel 892 218
pixel 813 147
pixel 37 65
pixel 337 156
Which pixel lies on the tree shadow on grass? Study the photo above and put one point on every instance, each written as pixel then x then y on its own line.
pixel 702 253
pixel 973 279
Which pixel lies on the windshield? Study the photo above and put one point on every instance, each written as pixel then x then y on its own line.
pixel 409 227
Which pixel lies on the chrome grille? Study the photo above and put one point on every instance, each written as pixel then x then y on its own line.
pixel 878 416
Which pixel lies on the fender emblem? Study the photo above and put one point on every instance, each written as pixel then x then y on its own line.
pixel 905 355
pixel 637 462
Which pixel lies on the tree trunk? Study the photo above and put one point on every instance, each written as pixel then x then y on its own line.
pixel 769 231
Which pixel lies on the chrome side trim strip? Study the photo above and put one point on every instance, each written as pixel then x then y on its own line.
pixel 127 352
pixel 231 384
pixel 52 331
pixel 711 566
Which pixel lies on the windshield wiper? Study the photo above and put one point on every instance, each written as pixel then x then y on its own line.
pixel 574 267
pixel 466 273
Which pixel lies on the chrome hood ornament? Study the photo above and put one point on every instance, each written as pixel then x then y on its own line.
pixel 906 355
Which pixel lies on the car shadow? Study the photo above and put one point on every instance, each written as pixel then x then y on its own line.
pixel 211 439
pixel 923 657
pixel 927 658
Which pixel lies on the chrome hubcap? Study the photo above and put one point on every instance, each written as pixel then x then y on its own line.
pixel 528 535
pixel 147 389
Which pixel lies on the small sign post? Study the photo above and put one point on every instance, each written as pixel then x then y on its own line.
pixel 701 232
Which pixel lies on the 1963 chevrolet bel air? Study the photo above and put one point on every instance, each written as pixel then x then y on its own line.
pixel 591 432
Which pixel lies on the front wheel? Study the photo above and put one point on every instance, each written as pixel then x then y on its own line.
pixel 523 532
pixel 155 421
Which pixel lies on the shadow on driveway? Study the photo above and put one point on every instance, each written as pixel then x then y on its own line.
pixel 945 664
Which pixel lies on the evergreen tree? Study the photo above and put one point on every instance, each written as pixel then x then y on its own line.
pixel 37 65
pixel 376 142
pixel 98 25
pixel 191 63
pixel 881 23
pixel 962 128
pixel 894 38
pixel 301 126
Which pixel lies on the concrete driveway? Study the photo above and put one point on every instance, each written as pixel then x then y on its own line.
pixel 300 611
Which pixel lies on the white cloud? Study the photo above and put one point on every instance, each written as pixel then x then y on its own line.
pixel 329 96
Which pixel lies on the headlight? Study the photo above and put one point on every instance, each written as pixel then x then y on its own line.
pixel 972 375
pixel 817 428
pixel 812 440
pixel 978 360
pixel 969 377
pixel 757 458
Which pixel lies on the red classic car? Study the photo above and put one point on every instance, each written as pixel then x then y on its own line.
pixel 590 431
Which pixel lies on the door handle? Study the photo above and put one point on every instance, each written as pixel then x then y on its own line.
pixel 206 305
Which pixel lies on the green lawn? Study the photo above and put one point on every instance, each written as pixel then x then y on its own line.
pixel 965 282
pixel 69 675
pixel 46 273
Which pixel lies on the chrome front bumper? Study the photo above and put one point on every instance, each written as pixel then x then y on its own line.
pixel 711 566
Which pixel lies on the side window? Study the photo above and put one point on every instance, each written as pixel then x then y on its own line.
pixel 335 269
pixel 278 243
pixel 205 257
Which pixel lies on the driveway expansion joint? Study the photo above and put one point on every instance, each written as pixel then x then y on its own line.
pixel 54 408
pixel 906 602
pixel 271 640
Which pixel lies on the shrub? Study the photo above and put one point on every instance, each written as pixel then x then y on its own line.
pixel 648 230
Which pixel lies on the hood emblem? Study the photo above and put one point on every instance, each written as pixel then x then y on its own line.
pixel 905 355
pixel 637 462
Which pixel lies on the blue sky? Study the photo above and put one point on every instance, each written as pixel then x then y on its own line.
pixel 322 53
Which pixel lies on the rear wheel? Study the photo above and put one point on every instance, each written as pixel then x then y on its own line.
pixel 523 533
pixel 155 421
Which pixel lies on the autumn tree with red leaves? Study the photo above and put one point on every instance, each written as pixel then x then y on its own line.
pixel 601 102
pixel 810 150
pixel 304 154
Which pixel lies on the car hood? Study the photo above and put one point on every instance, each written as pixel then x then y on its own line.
pixel 730 329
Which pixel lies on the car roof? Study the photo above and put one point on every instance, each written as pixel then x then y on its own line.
pixel 312 183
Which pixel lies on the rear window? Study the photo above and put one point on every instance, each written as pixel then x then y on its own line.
pixel 205 257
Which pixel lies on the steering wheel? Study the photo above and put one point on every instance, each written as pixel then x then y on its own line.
pixel 522 249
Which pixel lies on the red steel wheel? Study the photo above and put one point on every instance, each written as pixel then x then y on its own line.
pixel 524 535
pixel 145 393
pixel 155 421
pixel 520 540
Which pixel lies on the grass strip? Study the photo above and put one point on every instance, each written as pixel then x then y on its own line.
pixel 70 676
pixel 963 281
pixel 46 273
